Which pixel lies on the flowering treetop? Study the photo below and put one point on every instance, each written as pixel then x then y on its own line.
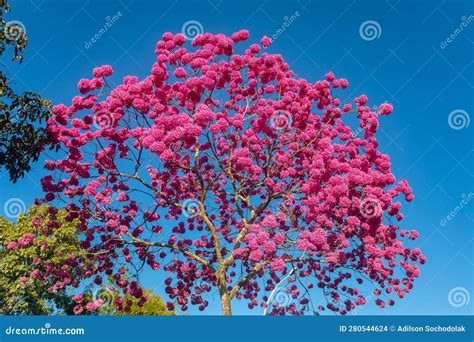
pixel 232 175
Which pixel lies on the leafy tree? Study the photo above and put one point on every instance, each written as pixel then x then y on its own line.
pixel 23 116
pixel 233 175
pixel 108 300
pixel 119 305
pixel 152 306
pixel 31 251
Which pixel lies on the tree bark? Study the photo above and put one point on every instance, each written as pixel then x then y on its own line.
pixel 226 308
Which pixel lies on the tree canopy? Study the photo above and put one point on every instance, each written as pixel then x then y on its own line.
pixel 31 251
pixel 23 115
pixel 231 174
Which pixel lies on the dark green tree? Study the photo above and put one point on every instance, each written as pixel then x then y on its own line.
pixel 22 115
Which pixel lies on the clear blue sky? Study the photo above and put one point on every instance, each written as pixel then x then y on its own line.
pixel 406 64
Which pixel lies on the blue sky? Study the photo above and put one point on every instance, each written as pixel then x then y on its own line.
pixel 408 62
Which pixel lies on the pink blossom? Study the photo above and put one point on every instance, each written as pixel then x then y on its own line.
pixel 35 274
pixel 26 239
pixel 266 41
pixel 78 298
pixel 180 73
pixel 78 309
pixel 256 255
pixel 385 109
pixel 91 306
pixel 278 265
pixel 12 245
pixel 240 36
pixel 84 86
pixel 105 70
pixel 270 222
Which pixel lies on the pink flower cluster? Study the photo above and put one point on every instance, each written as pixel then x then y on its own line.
pixel 24 241
pixel 246 197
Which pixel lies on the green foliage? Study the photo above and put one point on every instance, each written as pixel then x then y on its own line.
pixel 54 241
pixel 9 35
pixel 22 115
pixel 154 306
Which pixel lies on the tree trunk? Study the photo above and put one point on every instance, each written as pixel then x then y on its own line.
pixel 226 308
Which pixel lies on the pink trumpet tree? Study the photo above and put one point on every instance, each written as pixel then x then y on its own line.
pixel 228 174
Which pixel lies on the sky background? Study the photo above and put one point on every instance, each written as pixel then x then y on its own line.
pixel 408 62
